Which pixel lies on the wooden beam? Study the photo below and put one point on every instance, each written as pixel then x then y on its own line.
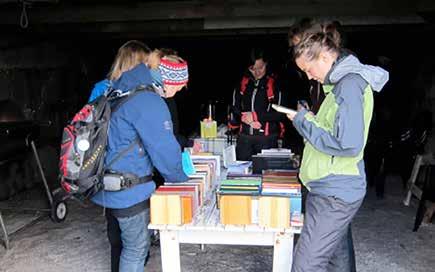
pixel 28 1
pixel 63 13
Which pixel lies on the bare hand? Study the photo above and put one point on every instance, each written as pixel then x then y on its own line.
pixel 256 125
pixel 291 116
pixel 247 117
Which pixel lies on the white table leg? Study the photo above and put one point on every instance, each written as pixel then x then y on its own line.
pixel 170 251
pixel 283 252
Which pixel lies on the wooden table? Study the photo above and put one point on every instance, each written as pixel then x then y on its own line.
pixel 206 229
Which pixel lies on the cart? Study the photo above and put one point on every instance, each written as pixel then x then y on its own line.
pixel 25 131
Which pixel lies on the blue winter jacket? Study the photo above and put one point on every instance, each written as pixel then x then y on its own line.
pixel 145 116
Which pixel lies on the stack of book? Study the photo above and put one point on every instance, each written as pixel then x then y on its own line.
pixel 177 203
pixel 237 199
pixel 274 212
pixel 280 182
pixel 284 184
pixel 240 186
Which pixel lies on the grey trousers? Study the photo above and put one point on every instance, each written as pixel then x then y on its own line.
pixel 325 243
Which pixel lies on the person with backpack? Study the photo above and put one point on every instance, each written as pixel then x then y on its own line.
pixel 260 126
pixel 143 118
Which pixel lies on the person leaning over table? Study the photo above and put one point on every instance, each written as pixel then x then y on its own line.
pixel 143 119
pixel 332 166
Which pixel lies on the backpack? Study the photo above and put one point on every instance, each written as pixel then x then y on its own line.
pixel 84 142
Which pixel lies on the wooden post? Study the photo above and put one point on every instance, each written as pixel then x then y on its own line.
pixel 411 183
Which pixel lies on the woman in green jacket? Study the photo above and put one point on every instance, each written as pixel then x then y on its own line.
pixel 332 167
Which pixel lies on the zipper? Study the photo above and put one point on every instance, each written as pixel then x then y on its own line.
pixel 332 157
pixel 254 94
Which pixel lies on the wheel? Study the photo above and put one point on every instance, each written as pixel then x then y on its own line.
pixel 59 211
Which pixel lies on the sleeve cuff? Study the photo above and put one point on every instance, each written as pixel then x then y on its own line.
pixel 299 118
pixel 254 116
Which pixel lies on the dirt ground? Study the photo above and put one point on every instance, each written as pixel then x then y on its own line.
pixel 382 231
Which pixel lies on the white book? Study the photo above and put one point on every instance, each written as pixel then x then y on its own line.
pixel 283 109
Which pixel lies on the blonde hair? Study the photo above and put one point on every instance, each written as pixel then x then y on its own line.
pixel 129 56
pixel 173 58
pixel 326 37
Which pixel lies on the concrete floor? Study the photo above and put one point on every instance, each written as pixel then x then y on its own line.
pixel 382 233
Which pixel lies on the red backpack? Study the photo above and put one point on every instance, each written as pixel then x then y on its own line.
pixel 84 143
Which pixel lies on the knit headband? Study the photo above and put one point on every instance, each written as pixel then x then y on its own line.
pixel 173 73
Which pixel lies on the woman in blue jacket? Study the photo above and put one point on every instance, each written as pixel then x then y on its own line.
pixel 143 118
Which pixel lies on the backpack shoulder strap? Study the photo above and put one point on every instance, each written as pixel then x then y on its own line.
pixel 244 84
pixel 116 106
pixel 123 152
pixel 270 88
pixel 117 102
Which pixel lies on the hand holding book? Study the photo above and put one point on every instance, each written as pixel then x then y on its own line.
pixel 289 112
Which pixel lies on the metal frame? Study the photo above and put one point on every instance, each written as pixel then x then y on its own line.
pixel 6 235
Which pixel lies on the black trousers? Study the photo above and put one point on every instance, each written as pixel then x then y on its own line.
pixel 248 145
pixel 114 235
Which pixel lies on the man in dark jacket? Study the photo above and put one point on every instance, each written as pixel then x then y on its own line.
pixel 259 125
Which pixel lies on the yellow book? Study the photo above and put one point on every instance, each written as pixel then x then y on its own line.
pixel 274 212
pixel 166 209
pixel 208 129
pixel 235 209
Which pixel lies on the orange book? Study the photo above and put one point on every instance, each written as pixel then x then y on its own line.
pixel 187 209
pixel 235 209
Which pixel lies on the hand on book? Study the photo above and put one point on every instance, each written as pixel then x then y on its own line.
pixel 247 117
pixel 256 125
pixel 292 115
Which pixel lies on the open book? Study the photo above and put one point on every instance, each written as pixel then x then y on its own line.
pixel 283 109
pixel 230 162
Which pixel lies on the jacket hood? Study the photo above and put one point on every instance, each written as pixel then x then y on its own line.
pixel 374 75
pixel 139 75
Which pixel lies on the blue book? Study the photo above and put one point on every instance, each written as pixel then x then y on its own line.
pixel 186 161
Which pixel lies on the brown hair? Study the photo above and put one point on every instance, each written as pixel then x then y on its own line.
pixel 314 42
pixel 299 28
pixel 163 53
pixel 129 56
